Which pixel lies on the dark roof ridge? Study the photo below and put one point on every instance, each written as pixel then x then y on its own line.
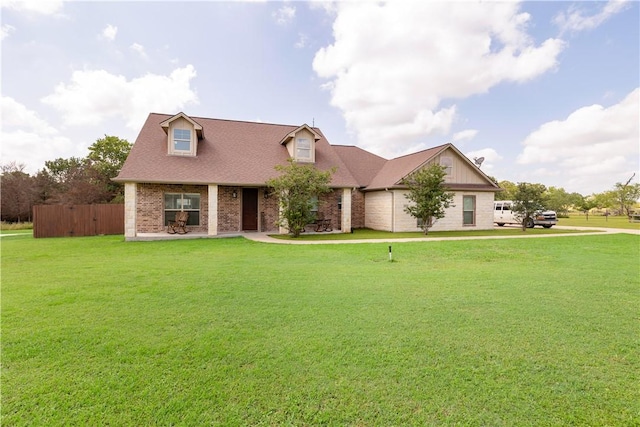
pixel 359 148
pixel 422 151
pixel 233 120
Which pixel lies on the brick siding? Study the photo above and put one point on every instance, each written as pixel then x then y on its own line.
pixel 357 209
pixel 150 209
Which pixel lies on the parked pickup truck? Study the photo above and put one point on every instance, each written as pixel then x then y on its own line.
pixel 502 214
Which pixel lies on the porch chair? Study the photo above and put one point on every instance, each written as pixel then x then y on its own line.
pixel 179 224
pixel 322 223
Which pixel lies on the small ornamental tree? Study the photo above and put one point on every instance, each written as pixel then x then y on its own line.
pixel 527 199
pixel 296 187
pixel 428 194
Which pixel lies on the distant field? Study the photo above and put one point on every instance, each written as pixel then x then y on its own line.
pixel 599 221
pixel 96 331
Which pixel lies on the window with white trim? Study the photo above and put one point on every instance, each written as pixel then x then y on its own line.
pixel 468 210
pixel 303 149
pixel 182 140
pixel 176 202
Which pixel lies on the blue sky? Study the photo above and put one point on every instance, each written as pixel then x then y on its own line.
pixel 546 92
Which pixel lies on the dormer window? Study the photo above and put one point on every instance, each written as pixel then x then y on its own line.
pixel 301 144
pixel 303 149
pixel 183 134
pixel 182 140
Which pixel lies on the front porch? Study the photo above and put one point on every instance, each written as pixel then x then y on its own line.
pixel 217 211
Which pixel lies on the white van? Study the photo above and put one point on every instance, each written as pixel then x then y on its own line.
pixel 502 214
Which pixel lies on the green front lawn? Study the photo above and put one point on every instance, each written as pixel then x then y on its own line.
pixel 368 234
pixel 96 331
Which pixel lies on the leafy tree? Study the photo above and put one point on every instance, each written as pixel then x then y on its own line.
pixel 107 156
pixel 508 191
pixel 606 199
pixel 17 196
pixel 73 181
pixel 585 205
pixel 85 180
pixel 296 187
pixel 560 201
pixel 428 194
pixel 528 199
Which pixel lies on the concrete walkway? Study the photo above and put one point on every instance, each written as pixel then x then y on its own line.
pixel 265 238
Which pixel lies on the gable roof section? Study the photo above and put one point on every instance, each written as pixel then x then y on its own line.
pixel 293 133
pixel 394 170
pixel 362 164
pixel 230 153
pixel 165 124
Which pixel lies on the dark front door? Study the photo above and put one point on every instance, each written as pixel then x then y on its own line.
pixel 250 209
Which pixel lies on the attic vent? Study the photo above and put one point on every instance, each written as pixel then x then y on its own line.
pixel 447 162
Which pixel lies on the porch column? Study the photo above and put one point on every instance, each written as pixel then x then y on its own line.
pixel 281 229
pixel 213 210
pixel 130 209
pixel 346 210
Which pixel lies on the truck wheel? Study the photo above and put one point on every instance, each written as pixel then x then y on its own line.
pixel 528 222
pixel 500 224
pixel 547 226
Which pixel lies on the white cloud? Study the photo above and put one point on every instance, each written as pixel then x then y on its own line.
pixel 139 49
pixel 302 41
pixel 44 7
pixel 593 147
pixel 329 7
pixel 5 30
pixel 284 15
pixel 110 32
pixel 33 140
pixel 464 135
pixel 93 96
pixel 574 19
pixel 394 83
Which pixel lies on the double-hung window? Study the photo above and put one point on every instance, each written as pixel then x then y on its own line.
pixel 181 140
pixel 303 149
pixel 468 210
pixel 176 202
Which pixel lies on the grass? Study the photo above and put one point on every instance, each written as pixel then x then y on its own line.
pixel 97 331
pixel 580 220
pixel 14 226
pixel 368 234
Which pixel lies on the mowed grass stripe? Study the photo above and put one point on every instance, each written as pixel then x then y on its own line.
pixel 230 332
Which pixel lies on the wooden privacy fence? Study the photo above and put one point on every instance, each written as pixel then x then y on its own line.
pixel 77 220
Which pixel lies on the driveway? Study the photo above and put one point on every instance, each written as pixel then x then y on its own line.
pixel 265 238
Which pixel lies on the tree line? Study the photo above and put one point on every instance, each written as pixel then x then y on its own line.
pixel 620 200
pixel 72 180
pixel 88 180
